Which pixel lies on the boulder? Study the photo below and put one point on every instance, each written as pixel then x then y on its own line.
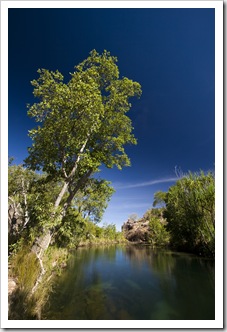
pixel 136 231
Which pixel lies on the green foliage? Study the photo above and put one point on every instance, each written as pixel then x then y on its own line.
pixel 109 231
pixel 190 213
pixel 77 225
pixel 102 235
pixel 17 246
pixel 55 259
pixel 72 229
pixel 87 111
pixel 99 232
pixel 93 199
pixel 82 125
pixel 119 237
pixel 158 235
pixel 43 194
pixel 157 213
pixel 159 198
pixel 19 180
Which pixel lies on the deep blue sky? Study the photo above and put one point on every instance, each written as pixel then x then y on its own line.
pixel 170 52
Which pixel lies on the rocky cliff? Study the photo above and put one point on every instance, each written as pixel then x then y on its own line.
pixel 136 231
pixel 140 230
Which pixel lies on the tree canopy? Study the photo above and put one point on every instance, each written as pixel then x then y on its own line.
pixel 83 121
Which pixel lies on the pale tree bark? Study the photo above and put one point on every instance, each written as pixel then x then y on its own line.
pixel 60 196
pixel 41 246
pixel 15 216
pixel 43 242
pixel 24 193
pixel 69 178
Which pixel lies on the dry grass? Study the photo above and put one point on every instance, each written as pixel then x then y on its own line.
pixel 25 269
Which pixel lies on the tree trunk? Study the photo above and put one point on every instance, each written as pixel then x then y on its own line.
pixel 73 192
pixel 60 196
pixel 71 175
pixel 26 214
pixel 43 242
pixel 39 248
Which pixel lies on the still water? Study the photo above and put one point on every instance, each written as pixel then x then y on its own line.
pixel 133 282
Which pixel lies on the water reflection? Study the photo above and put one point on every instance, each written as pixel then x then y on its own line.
pixel 133 282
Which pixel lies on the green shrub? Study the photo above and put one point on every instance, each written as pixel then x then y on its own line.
pixel 158 235
pixel 190 213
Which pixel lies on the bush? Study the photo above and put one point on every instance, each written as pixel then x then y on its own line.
pixel 190 213
pixel 158 235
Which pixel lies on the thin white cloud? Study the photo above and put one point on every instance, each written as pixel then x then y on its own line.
pixel 135 206
pixel 145 184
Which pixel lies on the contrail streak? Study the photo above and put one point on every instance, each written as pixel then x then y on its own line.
pixel 147 183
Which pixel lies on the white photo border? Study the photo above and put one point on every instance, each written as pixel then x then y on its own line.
pixel 122 324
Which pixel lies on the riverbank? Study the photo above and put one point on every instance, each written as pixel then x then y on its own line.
pixel 23 270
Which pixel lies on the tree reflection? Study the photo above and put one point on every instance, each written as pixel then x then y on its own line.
pixel 133 282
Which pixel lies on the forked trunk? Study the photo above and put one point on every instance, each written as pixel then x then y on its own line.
pixel 73 192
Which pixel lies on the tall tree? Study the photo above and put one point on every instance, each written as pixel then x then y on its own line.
pixel 83 124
